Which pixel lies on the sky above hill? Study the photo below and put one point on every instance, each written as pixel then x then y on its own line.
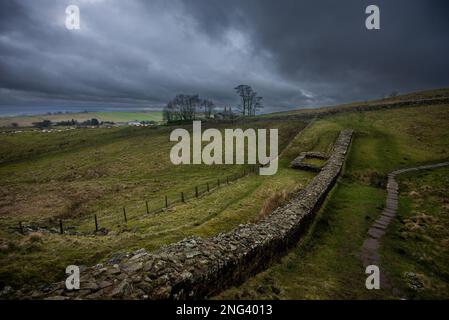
pixel 139 54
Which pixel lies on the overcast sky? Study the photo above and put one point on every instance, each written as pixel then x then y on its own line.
pixel 139 54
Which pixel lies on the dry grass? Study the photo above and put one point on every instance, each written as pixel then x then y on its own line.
pixel 276 200
pixel 416 249
pixel 34 237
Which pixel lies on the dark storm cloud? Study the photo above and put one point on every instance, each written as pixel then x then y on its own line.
pixel 324 47
pixel 294 53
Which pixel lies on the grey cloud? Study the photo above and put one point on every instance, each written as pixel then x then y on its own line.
pixel 294 53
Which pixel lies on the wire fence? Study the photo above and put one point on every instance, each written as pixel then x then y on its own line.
pixel 102 223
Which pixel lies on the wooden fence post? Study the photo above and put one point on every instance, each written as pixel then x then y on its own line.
pixel 166 202
pixel 124 215
pixel 61 230
pixel 21 227
pixel 96 222
pixel 182 197
pixel 196 191
pixel 146 204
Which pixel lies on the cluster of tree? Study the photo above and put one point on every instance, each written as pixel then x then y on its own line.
pixel 47 123
pixel 208 107
pixel 91 122
pixel 57 112
pixel 67 123
pixel 42 124
pixel 186 108
pixel 73 122
pixel 148 122
pixel 250 101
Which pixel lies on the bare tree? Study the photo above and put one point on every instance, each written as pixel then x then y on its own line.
pixel 257 105
pixel 182 107
pixel 242 91
pixel 171 112
pixel 192 101
pixel 251 103
pixel 208 106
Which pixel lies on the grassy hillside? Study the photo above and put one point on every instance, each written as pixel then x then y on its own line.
pixel 114 116
pixel 420 95
pixel 327 265
pixel 72 175
pixel 416 250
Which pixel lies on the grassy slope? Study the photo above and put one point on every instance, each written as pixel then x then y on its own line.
pixel 416 249
pixel 115 116
pixel 420 95
pixel 328 265
pixel 83 172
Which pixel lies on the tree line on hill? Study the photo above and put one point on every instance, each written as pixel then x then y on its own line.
pixel 185 107
pixel 90 122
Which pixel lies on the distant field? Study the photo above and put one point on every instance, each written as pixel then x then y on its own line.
pixel 119 116
pixel 129 116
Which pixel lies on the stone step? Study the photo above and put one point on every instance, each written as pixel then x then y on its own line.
pixel 376 233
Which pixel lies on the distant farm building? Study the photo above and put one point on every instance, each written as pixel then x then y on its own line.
pixel 225 114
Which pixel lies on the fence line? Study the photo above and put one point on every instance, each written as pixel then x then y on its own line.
pixel 96 226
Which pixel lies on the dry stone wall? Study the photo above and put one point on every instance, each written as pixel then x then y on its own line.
pixel 299 162
pixel 330 111
pixel 197 268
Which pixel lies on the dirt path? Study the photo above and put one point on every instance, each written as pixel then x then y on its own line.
pixel 370 248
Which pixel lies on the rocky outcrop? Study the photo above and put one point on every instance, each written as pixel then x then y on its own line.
pixel 197 268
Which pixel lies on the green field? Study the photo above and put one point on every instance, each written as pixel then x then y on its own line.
pixel 413 96
pixel 416 250
pixel 114 116
pixel 327 264
pixel 76 174
pixel 129 116
pixel 72 175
